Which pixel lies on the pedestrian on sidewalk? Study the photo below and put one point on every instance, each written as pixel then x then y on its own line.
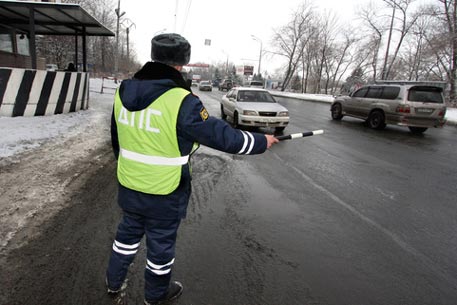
pixel 157 124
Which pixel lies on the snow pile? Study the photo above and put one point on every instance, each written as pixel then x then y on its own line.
pixel 22 133
pixel 306 96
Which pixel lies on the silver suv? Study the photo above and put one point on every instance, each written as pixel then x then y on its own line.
pixel 417 105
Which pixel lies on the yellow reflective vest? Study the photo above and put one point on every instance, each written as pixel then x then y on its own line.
pixel 149 158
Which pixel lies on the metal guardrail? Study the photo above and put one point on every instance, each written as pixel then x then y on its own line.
pixel 108 87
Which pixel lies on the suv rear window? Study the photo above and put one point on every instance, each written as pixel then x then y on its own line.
pixel 425 94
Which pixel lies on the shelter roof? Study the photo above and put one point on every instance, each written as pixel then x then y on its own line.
pixel 50 18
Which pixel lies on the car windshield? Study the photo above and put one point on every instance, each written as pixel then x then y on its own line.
pixel 204 83
pixel 255 96
pixel 425 94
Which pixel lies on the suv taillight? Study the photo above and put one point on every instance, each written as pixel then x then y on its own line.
pixel 403 109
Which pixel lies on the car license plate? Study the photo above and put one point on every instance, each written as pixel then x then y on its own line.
pixel 424 110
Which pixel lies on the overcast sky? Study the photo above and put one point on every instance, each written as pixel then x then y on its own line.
pixel 229 25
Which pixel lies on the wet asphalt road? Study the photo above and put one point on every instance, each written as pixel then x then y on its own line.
pixel 351 217
pixel 354 216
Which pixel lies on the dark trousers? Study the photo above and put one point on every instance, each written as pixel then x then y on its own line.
pixel 160 242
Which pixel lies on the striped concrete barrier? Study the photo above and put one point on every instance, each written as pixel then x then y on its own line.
pixel 34 92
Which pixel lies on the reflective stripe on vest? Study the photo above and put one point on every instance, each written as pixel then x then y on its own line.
pixel 149 159
pixel 154 160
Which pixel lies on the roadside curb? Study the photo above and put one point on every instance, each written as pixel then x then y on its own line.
pixel 300 98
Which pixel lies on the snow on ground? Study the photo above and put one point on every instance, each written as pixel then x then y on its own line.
pixel 23 133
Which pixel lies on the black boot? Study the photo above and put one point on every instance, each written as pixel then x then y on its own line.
pixel 117 295
pixel 174 291
pixel 114 292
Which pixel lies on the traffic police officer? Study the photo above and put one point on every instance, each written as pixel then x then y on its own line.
pixel 157 123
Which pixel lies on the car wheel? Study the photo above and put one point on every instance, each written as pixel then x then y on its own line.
pixel 417 130
pixel 376 120
pixel 337 112
pixel 279 129
pixel 223 115
pixel 235 120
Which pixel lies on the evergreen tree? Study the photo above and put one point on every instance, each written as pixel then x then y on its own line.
pixel 353 82
pixel 296 83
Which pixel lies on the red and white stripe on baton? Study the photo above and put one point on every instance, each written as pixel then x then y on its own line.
pixel 299 135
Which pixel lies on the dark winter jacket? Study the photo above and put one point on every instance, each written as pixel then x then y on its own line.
pixel 136 94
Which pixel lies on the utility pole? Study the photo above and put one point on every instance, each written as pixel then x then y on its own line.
pixel 260 55
pixel 116 56
pixel 176 15
pixel 127 29
pixel 128 48
pixel 226 64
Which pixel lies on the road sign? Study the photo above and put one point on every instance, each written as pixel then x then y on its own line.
pixel 248 70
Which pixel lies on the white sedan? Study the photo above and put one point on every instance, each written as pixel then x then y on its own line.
pixel 253 107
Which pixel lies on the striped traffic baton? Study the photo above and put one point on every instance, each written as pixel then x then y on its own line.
pixel 299 135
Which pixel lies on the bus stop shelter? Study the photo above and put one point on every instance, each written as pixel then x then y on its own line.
pixel 27 89
pixel 42 18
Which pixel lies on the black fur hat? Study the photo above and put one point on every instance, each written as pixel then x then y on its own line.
pixel 171 49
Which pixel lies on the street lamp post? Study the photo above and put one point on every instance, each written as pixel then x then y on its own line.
pixel 260 55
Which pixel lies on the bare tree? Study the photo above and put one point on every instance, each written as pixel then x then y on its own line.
pixel 100 53
pixel 56 49
pixel 375 27
pixel 326 38
pixel 416 58
pixel 444 43
pixel 344 59
pixel 396 42
pixel 405 26
pixel 393 4
pixel 310 54
pixel 391 28
pixel 291 40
